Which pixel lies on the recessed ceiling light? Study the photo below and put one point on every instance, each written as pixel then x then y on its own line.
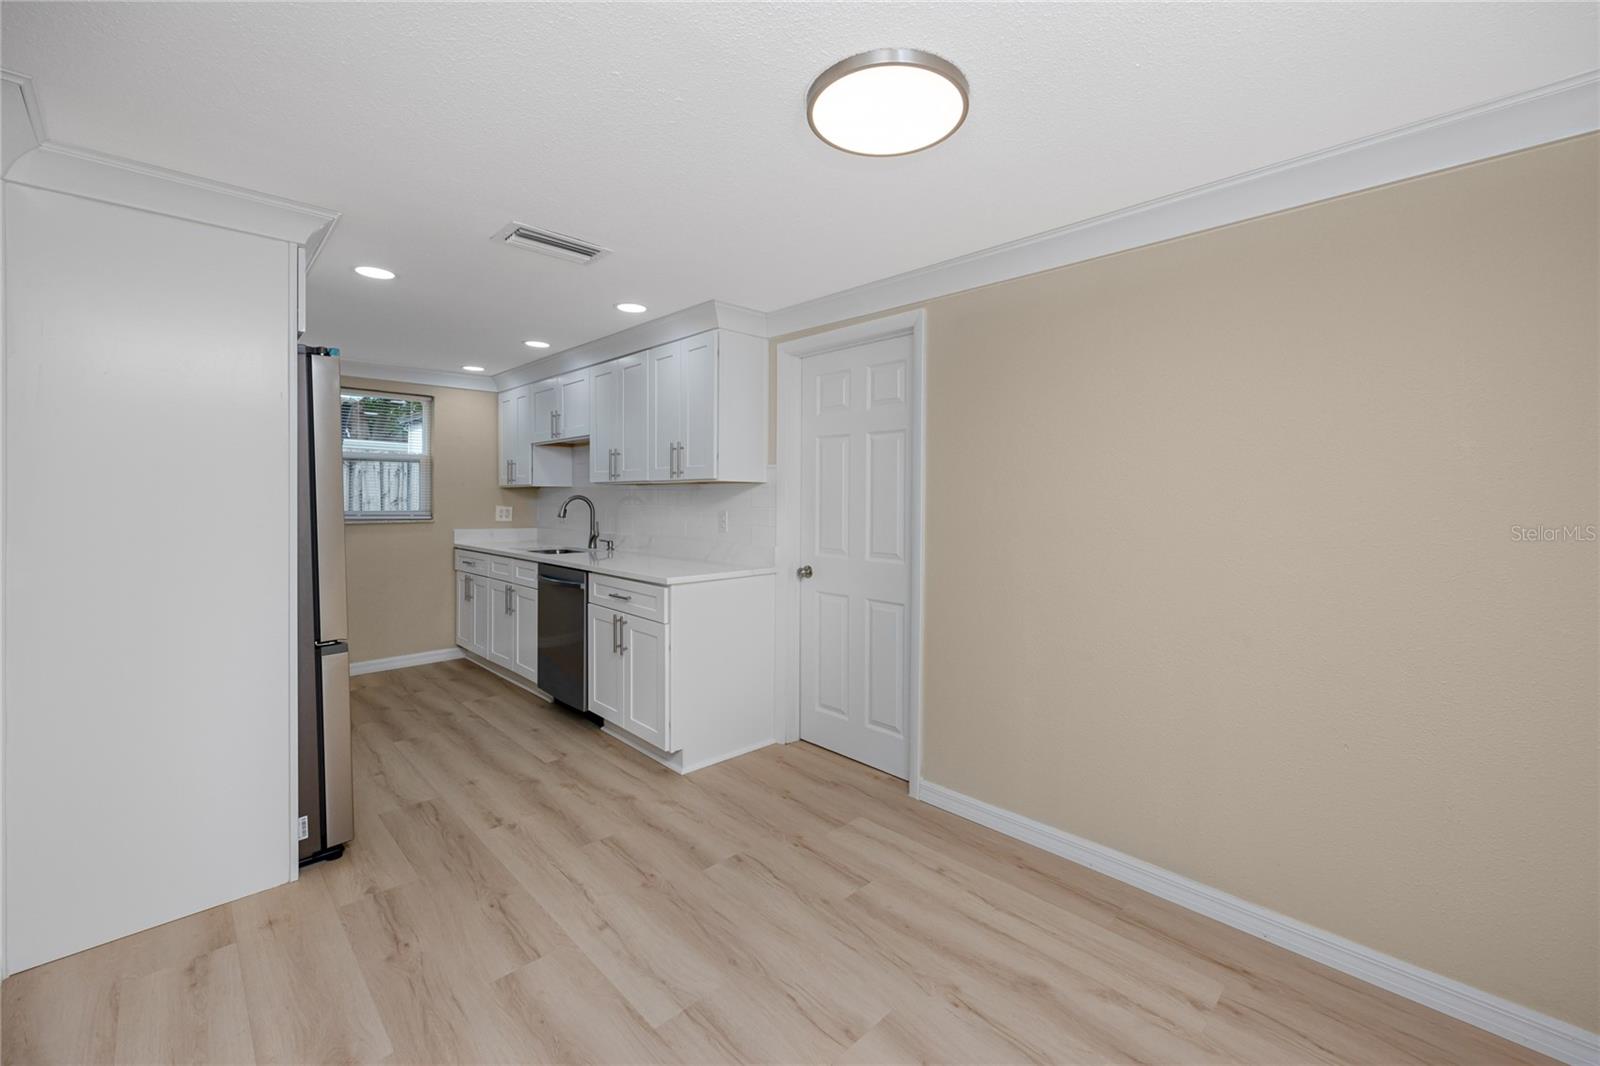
pixel 376 273
pixel 473 369
pixel 537 344
pixel 889 101
pixel 633 309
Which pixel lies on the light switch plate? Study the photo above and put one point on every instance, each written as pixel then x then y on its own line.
pixel 502 514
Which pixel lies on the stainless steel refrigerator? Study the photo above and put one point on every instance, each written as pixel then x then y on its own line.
pixel 327 808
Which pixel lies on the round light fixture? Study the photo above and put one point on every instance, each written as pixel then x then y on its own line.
pixel 889 101
pixel 473 369
pixel 633 309
pixel 537 344
pixel 376 273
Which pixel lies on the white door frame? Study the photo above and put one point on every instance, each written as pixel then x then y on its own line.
pixel 791 511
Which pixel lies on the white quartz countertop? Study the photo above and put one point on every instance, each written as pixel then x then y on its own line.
pixel 634 566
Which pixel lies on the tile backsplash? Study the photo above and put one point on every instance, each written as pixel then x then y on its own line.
pixel 681 521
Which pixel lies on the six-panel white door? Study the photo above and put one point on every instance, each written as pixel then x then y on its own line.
pixel 855 479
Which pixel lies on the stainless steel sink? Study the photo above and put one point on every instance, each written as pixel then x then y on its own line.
pixel 557 551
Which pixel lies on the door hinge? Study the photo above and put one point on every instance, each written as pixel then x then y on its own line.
pixel 303 827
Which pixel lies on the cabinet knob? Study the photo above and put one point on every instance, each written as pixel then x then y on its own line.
pixel 804 572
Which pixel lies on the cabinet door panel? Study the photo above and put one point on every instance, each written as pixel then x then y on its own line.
pixel 502 623
pixel 546 404
pixel 508 437
pixel 697 452
pixel 464 627
pixel 607 697
pixel 644 664
pixel 480 615
pixel 634 437
pixel 606 425
pixel 525 648
pixel 666 410
pixel 574 418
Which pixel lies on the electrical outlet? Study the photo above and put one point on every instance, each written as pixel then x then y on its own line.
pixel 502 514
pixel 722 521
pixel 304 828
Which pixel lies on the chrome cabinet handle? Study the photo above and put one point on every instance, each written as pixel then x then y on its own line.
pixel 555 423
pixel 552 423
pixel 622 635
pixel 619 595
pixel 616 633
pixel 508 599
pixel 508 469
pixel 468 582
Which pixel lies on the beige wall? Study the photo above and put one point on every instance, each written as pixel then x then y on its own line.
pixel 1250 605
pixel 400 576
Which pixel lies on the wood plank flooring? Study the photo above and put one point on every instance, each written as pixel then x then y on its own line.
pixel 522 888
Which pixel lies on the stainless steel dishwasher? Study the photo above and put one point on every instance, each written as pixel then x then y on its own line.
pixel 563 629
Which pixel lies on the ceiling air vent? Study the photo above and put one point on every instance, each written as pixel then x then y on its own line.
pixel 516 235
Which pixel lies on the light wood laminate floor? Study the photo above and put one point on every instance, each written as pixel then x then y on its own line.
pixel 522 888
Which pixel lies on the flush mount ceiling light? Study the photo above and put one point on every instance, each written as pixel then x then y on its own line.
pixel 633 309
pixel 889 101
pixel 376 273
pixel 473 369
pixel 537 344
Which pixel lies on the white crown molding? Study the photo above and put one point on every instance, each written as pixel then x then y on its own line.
pixel 1564 109
pixel 129 183
pixel 416 375
pixel 23 123
pixel 400 662
pixel 713 314
pixel 1523 1025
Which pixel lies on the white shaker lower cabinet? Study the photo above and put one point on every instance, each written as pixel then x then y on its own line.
pixel 498 621
pixel 683 673
pixel 472 612
pixel 628 674
pixel 502 644
pixel 525 647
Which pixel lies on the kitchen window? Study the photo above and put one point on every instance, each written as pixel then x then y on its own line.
pixel 388 471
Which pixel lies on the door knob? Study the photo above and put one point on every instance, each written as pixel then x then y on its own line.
pixel 804 571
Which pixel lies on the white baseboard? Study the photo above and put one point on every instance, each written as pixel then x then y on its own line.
pixel 400 662
pixel 1523 1025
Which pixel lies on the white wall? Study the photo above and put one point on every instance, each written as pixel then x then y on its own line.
pixel 147 676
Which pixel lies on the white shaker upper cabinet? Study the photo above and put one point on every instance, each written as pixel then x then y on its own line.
pixel 619 420
pixel 561 408
pixel 546 410
pixel 573 423
pixel 708 408
pixel 521 464
pixel 666 410
pixel 697 439
pixel 691 410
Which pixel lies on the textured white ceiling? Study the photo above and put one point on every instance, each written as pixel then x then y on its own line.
pixel 674 133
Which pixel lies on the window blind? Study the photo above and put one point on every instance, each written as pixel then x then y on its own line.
pixel 388 466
